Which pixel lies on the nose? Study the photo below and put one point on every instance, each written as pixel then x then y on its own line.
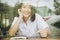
pixel 27 9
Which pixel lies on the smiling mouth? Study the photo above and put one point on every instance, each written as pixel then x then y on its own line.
pixel 26 15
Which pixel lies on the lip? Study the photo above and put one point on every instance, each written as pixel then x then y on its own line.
pixel 26 15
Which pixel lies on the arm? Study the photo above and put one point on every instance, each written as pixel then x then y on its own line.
pixel 14 27
pixel 12 31
pixel 43 27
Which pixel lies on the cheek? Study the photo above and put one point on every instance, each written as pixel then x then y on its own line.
pixel 23 10
pixel 29 10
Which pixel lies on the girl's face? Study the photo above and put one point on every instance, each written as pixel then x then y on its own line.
pixel 26 10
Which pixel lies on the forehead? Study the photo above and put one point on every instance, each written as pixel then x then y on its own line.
pixel 26 4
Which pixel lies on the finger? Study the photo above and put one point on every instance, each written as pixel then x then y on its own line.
pixel 18 11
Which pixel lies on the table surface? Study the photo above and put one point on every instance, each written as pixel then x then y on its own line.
pixel 49 38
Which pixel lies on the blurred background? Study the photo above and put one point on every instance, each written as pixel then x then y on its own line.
pixel 48 9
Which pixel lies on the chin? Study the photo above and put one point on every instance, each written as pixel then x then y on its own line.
pixel 26 16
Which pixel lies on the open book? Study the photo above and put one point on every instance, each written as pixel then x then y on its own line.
pixel 13 38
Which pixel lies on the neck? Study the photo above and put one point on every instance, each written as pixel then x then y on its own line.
pixel 25 19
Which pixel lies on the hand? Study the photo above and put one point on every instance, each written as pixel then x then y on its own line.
pixel 43 33
pixel 20 14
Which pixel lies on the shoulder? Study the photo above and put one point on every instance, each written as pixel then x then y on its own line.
pixel 38 16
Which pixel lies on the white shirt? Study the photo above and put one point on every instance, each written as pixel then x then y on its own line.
pixel 30 30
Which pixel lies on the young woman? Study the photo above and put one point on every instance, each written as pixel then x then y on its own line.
pixel 28 23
